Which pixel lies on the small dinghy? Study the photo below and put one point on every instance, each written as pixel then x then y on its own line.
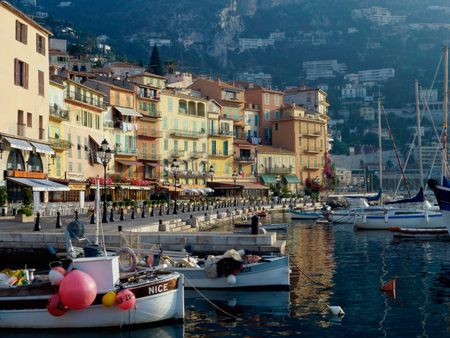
pixel 419 233
pixel 305 215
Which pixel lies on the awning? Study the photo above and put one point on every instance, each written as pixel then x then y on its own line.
pixel 40 184
pixel 252 186
pixel 154 165
pixel 19 144
pixel 291 178
pixel 128 111
pixel 269 179
pixel 130 163
pixel 43 148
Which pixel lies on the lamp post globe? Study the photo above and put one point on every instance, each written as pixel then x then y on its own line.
pixel 104 154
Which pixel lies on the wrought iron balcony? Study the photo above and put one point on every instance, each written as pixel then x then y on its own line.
pixel 58 143
pixel 196 155
pixel 220 133
pixel 59 114
pixel 125 151
pixel 245 159
pixel 187 133
pixel 77 96
pixel 278 170
pixel 177 153
pixel 219 154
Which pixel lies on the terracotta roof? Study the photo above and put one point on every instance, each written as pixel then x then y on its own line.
pixel 111 85
pixel 220 84
pixel 57 52
pixel 148 74
pixel 125 65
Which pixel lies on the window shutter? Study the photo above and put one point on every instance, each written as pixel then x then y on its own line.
pixel 41 82
pixel 25 75
pixel 43 46
pixel 37 43
pixel 16 71
pixel 17 30
pixel 25 34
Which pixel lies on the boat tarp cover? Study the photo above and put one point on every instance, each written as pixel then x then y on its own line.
pixel 416 199
pixel 446 182
pixel 374 198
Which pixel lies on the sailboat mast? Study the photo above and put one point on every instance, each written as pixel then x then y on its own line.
pixel 419 135
pixel 380 156
pixel 444 124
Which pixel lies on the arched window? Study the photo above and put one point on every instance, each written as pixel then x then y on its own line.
pixel 15 160
pixel 182 107
pixel 192 108
pixel 35 163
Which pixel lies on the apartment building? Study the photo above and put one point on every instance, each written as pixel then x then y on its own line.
pixel 24 110
pixel 313 99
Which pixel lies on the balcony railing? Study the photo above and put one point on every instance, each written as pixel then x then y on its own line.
pixel 219 154
pixel 190 174
pixel 21 128
pixel 313 150
pixel 150 133
pixel 108 124
pixel 196 155
pixel 177 153
pixel 58 143
pixel 278 170
pixel 313 133
pixel 220 133
pixel 312 167
pixel 149 157
pixel 59 113
pixel 77 96
pixel 187 133
pixel 41 133
pixel 249 159
pixel 154 114
pixel 125 151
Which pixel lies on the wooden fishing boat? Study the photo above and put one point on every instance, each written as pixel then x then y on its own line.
pixel 158 297
pixel 254 273
pixel 305 215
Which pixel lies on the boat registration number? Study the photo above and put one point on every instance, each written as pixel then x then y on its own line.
pixel 160 288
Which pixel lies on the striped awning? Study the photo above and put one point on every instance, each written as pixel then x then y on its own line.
pixel 39 184
pixel 43 148
pixel 19 144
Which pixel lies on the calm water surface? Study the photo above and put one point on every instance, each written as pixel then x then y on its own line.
pixel 346 269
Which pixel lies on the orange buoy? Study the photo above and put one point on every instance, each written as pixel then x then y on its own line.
pixel 389 286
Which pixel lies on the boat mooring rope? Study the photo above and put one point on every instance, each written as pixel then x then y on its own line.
pixel 309 278
pixel 210 302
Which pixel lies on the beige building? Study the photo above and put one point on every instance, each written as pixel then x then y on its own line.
pixel 24 110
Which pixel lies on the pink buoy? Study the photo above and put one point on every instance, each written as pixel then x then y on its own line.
pixel 77 290
pixel 56 275
pixel 125 299
pixel 55 307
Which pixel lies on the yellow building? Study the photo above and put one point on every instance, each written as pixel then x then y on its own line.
pixel 24 109
pixel 57 137
pixel 220 146
pixel 184 137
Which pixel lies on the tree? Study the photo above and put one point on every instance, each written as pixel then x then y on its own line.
pixel 155 66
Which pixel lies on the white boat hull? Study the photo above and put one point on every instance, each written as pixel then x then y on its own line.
pixel 446 219
pixel 428 220
pixel 164 306
pixel 272 274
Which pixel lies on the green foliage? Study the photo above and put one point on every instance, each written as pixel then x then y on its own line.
pixel 3 196
pixel 27 197
pixel 155 66
pixel 27 211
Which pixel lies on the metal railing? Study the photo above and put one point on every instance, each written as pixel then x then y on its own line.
pixel 156 114
pixel 245 159
pixel 186 133
pixel 84 98
pixel 196 155
pixel 220 133
pixel 177 153
pixel 59 143
pixel 56 111
pixel 278 170
pixel 125 151
pixel 151 133
pixel 219 154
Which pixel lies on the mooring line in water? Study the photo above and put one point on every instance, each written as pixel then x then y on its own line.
pixel 210 302
pixel 308 277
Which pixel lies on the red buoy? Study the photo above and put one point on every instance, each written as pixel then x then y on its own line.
pixel 389 286
pixel 77 290
pixel 125 299
pixel 55 307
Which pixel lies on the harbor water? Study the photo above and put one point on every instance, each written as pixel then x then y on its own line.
pixel 331 265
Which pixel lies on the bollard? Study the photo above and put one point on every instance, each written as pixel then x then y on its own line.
pixel 76 215
pixel 168 210
pixel 143 212
pixel 14 211
pixel 217 212
pixel 3 212
pixel 58 220
pixel 191 216
pixel 92 221
pixel 255 225
pixel 121 214
pixel 189 207
pixel 152 213
pixel 206 214
pixel 111 216
pixel 182 210
pixel 203 208
pixel 132 213
pixel 160 210
pixel 119 228
pixel 37 224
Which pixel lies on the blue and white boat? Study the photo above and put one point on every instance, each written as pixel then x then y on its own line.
pixel 442 193
pixel 306 215
pixel 408 217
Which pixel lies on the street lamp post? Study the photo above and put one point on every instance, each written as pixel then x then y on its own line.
pixel 175 169
pixel 104 154
pixel 211 172
pixel 235 175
